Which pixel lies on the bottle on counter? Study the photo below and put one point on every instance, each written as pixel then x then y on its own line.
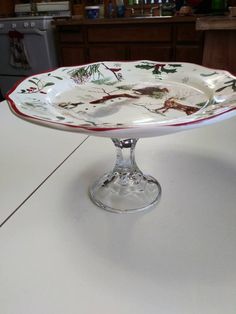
pixel 168 8
pixel 120 8
pixel 101 9
pixel 110 9
pixel 218 7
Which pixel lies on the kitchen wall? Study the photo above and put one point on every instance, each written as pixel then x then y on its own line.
pixel 6 8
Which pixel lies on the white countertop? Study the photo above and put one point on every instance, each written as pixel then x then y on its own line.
pixel 60 254
pixel 29 154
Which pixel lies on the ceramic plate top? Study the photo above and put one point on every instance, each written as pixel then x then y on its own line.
pixel 124 99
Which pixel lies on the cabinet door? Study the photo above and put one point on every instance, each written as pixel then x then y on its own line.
pixel 220 50
pixel 150 52
pixel 187 53
pixel 107 53
pixel 72 55
pixel 129 33
pixel 71 35
pixel 186 32
pixel 188 43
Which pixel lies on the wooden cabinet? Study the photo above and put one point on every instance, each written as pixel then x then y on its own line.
pixel 150 52
pixel 220 45
pixel 166 39
pixel 188 43
pixel 220 50
pixel 131 33
pixel 72 49
pixel 107 53
pixel 71 55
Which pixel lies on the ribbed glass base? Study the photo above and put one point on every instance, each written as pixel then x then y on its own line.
pixel 125 189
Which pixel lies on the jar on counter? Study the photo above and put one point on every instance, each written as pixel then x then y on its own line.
pixel 92 12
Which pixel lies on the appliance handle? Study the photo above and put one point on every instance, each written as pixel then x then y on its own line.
pixel 32 31
pixel 25 31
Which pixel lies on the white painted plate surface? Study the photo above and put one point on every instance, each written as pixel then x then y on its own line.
pixel 126 99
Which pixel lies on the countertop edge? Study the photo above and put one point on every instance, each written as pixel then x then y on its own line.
pixel 216 23
pixel 126 20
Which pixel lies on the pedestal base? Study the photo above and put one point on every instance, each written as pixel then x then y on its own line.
pixel 124 193
pixel 125 189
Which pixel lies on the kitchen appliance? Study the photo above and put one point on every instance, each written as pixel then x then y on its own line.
pixel 27 42
pixel 34 37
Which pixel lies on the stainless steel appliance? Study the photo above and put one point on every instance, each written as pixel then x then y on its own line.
pixel 29 39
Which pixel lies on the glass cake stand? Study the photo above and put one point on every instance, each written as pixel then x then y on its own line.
pixel 126 101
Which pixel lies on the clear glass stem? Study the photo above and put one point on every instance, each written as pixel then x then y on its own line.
pixel 125 158
pixel 125 188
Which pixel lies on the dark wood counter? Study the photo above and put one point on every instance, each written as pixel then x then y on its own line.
pixel 125 20
pixel 159 39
